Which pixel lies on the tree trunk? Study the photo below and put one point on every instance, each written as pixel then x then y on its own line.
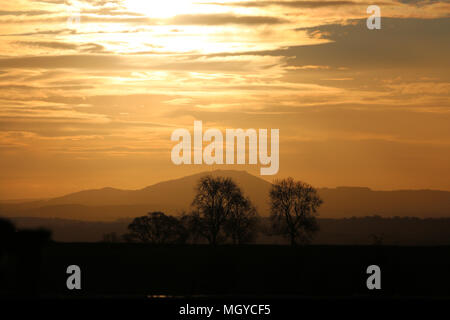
pixel 293 241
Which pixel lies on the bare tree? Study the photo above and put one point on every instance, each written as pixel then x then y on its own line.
pixel 156 228
pixel 213 207
pixel 294 205
pixel 242 221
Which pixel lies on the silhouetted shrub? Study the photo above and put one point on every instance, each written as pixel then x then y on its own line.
pixel 156 228
pixel 20 258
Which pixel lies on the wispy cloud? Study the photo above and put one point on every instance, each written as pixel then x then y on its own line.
pixel 110 89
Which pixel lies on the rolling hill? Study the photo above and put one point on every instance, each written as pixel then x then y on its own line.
pixel 175 196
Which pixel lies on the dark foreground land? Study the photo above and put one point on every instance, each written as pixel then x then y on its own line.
pixel 405 231
pixel 139 270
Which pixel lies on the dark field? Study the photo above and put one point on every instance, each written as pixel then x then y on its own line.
pixel 406 231
pixel 138 270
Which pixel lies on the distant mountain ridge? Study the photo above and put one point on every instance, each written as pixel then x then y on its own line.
pixel 175 196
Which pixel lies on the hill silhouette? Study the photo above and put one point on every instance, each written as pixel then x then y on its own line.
pixel 176 195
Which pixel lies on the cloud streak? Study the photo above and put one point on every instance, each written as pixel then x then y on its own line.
pixel 104 95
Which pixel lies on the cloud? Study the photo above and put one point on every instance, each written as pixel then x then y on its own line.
pixel 184 19
pixel 401 43
pixel 25 13
pixel 49 44
pixel 63 61
pixel 119 82
pixel 289 4
pixel 137 62
pixel 421 3
pixel 223 19
pixel 43 32
pixel 85 19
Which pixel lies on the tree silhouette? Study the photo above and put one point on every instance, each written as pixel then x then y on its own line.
pixel 219 210
pixel 242 221
pixel 293 208
pixel 377 239
pixel 111 237
pixel 156 228
pixel 192 226
pixel 7 231
pixel 20 258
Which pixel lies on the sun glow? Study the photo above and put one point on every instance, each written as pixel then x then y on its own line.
pixel 161 9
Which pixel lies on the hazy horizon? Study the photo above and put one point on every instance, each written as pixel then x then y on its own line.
pixel 205 172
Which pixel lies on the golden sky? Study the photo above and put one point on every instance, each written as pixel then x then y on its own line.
pixel 93 104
